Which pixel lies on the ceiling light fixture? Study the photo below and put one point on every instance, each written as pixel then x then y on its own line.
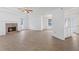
pixel 26 10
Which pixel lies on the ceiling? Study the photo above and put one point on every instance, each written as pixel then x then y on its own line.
pixel 53 8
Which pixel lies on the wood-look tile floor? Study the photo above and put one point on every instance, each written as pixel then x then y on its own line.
pixel 30 41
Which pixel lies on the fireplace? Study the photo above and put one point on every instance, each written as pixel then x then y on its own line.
pixel 11 27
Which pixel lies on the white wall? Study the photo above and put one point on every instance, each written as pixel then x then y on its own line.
pixel 25 24
pixel 58 24
pixel 45 22
pixel 2 28
pixel 33 21
pixel 10 16
pixel 72 16
pixel 36 17
pixel 58 21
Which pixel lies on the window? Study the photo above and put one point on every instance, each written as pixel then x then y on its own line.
pixel 49 22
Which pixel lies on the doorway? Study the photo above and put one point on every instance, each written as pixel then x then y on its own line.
pixel 71 26
pixel 47 22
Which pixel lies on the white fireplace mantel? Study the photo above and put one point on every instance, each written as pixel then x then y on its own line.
pixel 3 27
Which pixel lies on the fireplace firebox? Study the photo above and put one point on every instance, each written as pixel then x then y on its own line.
pixel 11 27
